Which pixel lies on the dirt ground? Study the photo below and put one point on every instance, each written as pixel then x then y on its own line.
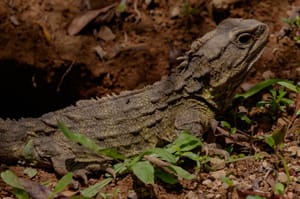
pixel 47 63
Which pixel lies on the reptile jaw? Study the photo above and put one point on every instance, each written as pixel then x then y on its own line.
pixel 255 55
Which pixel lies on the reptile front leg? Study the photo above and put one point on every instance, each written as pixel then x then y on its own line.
pixel 194 116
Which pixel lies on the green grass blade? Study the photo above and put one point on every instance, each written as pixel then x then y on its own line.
pixel 289 85
pixel 88 143
pixel 63 183
pixel 91 191
pixel 259 87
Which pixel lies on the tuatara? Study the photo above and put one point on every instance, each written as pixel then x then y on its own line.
pixel 200 87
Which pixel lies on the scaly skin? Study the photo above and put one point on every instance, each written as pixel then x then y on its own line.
pixel 202 85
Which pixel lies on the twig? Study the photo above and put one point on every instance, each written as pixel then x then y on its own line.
pixel 162 164
pixel 136 10
pixel 64 75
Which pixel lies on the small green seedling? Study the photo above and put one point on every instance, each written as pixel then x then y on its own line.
pixel 294 25
pixel 232 130
pixel 276 139
pixel 292 22
pixel 227 181
pixel 277 102
pixel 279 188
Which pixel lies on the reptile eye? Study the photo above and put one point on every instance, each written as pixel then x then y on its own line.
pixel 244 38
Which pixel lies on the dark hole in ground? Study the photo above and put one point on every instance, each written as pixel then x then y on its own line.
pixel 27 91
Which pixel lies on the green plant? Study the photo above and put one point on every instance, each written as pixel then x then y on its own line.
pixel 227 181
pixel 279 188
pixel 232 130
pixel 276 102
pixel 20 192
pixel 276 139
pixel 294 25
pixel 265 84
pixel 154 163
pixel 292 22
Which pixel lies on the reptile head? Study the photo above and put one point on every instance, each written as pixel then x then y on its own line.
pixel 219 61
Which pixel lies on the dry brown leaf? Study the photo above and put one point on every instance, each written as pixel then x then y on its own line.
pixel 83 20
pixel 35 189
pixel 106 34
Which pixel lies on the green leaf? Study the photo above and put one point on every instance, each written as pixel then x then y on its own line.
pixel 29 150
pixel 289 85
pixel 225 124
pixel 191 155
pixel 233 131
pixel 30 172
pixel 259 87
pixel 11 179
pixel 163 154
pixel 279 135
pixel 298 113
pixel 184 142
pixel 287 101
pixel 144 171
pixel 182 173
pixel 91 191
pixel 287 20
pixel 166 177
pixel 228 126
pixel 113 153
pixel 88 143
pixel 244 117
pixel 262 103
pixel 63 183
pixel 79 138
pixel 227 180
pixel 20 193
pixel 270 141
pixel 255 197
pixel 279 189
pixel 121 7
